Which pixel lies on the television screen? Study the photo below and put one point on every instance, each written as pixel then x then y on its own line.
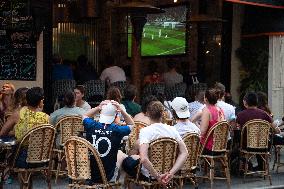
pixel 163 34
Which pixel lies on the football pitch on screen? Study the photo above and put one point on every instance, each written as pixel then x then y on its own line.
pixel 157 40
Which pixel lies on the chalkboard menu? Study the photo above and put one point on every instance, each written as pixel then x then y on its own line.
pixel 17 41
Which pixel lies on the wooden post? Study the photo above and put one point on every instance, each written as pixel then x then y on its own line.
pixel 193 37
pixel 138 21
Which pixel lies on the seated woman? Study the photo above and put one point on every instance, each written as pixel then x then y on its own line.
pixel 80 93
pixel 27 118
pixel 19 102
pixel 6 98
pixel 181 115
pixel 68 109
pixel 142 117
pixel 211 114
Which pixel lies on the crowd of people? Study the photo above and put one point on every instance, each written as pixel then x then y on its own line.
pixel 22 110
pixel 82 71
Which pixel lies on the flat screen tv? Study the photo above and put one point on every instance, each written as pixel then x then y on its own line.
pixel 163 34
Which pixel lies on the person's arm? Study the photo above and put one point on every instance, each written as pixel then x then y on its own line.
pixel 276 129
pixel 196 116
pixel 183 153
pixel 10 123
pixel 135 149
pixel 144 159
pixel 127 118
pixel 92 112
pixel 204 121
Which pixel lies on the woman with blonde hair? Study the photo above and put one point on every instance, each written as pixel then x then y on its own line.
pixel 6 98
pixel 12 117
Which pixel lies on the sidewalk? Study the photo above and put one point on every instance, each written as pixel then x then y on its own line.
pixel 251 182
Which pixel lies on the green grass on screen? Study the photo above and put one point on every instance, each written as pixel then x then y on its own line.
pixel 171 41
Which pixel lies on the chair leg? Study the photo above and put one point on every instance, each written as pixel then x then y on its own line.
pixel 59 162
pixel 212 167
pixel 278 158
pixel 24 178
pixel 48 177
pixel 246 168
pixel 267 168
pixel 275 157
pixel 227 172
pixel 180 183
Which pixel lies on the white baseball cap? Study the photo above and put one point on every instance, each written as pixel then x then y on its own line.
pixel 108 114
pixel 180 105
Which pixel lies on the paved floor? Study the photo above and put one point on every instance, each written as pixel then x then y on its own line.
pixel 252 182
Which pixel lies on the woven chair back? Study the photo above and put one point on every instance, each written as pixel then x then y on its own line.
pixel 162 154
pixel 78 152
pixel 219 131
pixel 134 135
pixel 257 133
pixel 192 143
pixel 40 143
pixel 94 87
pixel 69 126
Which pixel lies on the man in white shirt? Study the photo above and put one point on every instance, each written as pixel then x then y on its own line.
pixel 181 114
pixel 148 134
pixel 112 73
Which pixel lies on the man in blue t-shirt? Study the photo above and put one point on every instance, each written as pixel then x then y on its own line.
pixel 106 137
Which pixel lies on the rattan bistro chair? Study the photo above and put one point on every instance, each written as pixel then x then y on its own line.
pixel 134 135
pixel 66 127
pixel 256 133
pixel 162 154
pixel 219 131
pixel 40 142
pixel 78 152
pixel 192 143
pixel 277 153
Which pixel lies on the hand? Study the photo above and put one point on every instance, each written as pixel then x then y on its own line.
pixel 116 104
pixel 105 102
pixel 160 180
pixel 165 178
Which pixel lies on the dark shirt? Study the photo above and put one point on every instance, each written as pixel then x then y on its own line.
pixel 106 139
pixel 131 107
pixel 252 113
pixel 61 71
